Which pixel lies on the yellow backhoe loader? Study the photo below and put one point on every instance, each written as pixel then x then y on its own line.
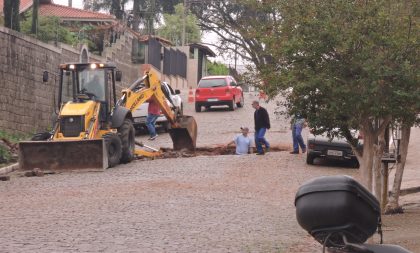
pixel 94 129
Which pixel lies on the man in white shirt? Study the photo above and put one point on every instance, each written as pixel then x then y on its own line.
pixel 242 142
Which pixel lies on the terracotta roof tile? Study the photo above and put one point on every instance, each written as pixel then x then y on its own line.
pixel 65 12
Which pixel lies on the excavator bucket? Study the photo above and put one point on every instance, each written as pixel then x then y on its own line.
pixel 63 155
pixel 184 136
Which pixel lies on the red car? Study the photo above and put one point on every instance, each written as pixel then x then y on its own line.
pixel 218 90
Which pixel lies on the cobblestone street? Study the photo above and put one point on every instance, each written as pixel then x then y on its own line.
pixel 200 204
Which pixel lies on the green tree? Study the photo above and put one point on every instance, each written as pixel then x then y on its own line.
pixel 172 29
pixel 11 14
pixel 352 64
pixel 237 23
pixel 215 68
pixel 49 29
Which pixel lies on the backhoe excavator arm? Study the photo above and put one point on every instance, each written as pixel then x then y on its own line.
pixel 143 89
pixel 183 129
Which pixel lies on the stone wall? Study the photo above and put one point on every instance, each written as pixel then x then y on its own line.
pixel 26 102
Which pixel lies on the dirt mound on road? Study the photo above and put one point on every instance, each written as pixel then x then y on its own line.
pixel 213 151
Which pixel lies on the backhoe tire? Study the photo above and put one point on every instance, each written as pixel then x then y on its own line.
pixel 127 135
pixel 113 148
pixel 43 136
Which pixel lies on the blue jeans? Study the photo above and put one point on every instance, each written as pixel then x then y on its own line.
pixel 150 123
pixel 259 140
pixel 297 138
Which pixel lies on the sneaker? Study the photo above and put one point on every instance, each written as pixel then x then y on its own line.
pixel 294 152
pixel 153 137
pixel 304 151
pixel 260 153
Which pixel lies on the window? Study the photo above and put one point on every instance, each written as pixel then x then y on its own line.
pixel 214 82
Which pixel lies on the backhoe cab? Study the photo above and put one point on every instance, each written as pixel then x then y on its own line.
pixel 94 129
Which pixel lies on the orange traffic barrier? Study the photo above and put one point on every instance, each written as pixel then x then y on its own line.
pixel 190 96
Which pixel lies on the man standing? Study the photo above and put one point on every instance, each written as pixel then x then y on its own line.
pixel 262 123
pixel 242 142
pixel 153 112
pixel 298 123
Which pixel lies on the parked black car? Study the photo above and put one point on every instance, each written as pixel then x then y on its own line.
pixel 331 149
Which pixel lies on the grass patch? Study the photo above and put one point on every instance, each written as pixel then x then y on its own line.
pixel 8 147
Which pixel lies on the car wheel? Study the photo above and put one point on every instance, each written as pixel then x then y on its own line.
pixel 241 102
pixel 197 108
pixel 181 110
pixel 355 163
pixel 310 159
pixel 232 105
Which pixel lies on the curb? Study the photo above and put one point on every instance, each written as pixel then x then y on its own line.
pixel 9 168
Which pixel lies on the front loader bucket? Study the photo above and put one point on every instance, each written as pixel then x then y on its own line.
pixel 184 136
pixel 63 155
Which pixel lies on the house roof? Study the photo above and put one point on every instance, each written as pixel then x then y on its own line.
pixel 24 5
pixel 204 48
pixel 48 8
pixel 72 14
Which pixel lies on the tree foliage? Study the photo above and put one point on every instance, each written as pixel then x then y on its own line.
pixel 172 29
pixel 145 13
pixel 49 29
pixel 216 68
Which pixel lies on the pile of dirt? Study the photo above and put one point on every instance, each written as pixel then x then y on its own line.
pixel 212 151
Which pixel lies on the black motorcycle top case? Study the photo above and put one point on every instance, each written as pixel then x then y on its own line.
pixel 333 206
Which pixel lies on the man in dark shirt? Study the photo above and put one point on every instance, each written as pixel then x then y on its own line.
pixel 262 123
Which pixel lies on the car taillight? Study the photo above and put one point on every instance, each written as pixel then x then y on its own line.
pixel 311 146
pixel 197 92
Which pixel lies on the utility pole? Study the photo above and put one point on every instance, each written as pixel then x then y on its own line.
pixel 70 3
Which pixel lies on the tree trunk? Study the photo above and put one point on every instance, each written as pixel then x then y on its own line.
pixel 116 9
pixel 393 206
pixel 11 14
pixel 15 15
pixel 136 15
pixel 377 162
pixel 35 8
pixel 367 159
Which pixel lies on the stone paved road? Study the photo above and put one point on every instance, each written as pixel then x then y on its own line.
pixel 199 204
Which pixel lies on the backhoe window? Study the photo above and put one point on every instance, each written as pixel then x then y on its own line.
pixel 92 83
pixel 67 92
